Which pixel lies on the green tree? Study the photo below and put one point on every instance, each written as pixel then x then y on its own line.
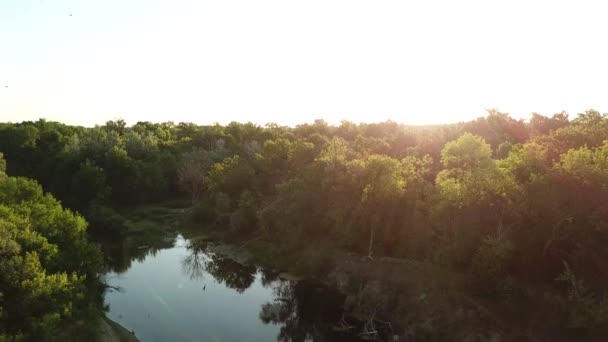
pixel 88 184
pixel 49 271
pixel 475 195
pixel 123 176
pixel 383 186
pixel 191 174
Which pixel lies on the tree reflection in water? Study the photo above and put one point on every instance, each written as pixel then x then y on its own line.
pixel 119 255
pixel 224 270
pixel 306 311
pixel 194 264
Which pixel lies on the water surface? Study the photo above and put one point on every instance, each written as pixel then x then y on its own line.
pixel 184 291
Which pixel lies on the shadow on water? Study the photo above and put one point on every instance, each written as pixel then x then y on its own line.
pixel 304 310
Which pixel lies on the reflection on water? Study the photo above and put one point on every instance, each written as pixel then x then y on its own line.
pixel 303 311
pixel 224 270
pixel 175 289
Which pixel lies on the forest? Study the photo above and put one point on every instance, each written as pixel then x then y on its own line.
pixel 513 204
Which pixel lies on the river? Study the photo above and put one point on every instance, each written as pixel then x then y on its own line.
pixel 182 290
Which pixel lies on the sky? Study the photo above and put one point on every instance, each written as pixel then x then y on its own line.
pixel 290 62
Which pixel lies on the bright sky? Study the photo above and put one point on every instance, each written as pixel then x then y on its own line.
pixel 290 62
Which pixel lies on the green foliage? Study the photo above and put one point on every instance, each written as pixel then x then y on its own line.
pixel 474 185
pixel 2 165
pixel 586 310
pixel 123 176
pixel 588 167
pixel 503 150
pixel 490 264
pixel 106 221
pixel 497 198
pixel 48 273
pixel 89 184
pixel 231 176
pixel 248 206
pixel 469 152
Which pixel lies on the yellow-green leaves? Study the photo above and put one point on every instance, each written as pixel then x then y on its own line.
pixel 589 167
pixel 469 152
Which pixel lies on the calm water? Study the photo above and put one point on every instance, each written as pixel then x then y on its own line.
pixel 182 291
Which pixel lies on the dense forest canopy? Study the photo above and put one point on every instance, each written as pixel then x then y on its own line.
pixel 507 201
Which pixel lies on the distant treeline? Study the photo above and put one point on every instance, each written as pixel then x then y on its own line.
pixel 507 201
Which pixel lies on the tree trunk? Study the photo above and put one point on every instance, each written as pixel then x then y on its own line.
pixel 370 250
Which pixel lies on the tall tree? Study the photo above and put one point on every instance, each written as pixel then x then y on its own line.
pixel 192 172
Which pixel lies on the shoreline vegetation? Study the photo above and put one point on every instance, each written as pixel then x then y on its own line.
pixel 495 220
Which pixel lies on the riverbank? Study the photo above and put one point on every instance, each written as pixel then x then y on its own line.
pixel 414 300
pixel 417 300
pixel 110 331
